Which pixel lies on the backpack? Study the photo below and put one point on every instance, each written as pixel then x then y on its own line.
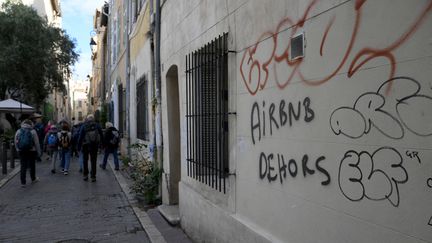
pixel 91 134
pixel 64 140
pixel 52 140
pixel 115 138
pixel 25 140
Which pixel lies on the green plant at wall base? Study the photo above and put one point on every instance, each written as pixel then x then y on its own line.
pixel 125 160
pixel 145 174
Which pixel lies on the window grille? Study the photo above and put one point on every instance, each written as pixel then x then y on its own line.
pixel 142 110
pixel 207 113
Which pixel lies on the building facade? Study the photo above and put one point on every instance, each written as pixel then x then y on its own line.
pixel 325 111
pixel 118 71
pixel 141 76
pixel 295 121
pixel 98 80
pixel 79 93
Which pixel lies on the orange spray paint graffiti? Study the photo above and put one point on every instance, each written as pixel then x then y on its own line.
pixel 267 52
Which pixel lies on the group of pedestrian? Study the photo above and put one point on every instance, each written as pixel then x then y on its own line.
pixel 61 141
pixel 58 144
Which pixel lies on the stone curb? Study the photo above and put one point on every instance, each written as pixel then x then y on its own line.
pixel 10 175
pixel 152 232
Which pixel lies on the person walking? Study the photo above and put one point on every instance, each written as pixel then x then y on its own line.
pixel 48 126
pixel 75 134
pixel 78 153
pixel 28 148
pixel 65 138
pixel 88 142
pixel 39 127
pixel 51 143
pixel 111 142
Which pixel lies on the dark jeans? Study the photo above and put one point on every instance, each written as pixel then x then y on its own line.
pixel 28 160
pixel 109 151
pixel 92 151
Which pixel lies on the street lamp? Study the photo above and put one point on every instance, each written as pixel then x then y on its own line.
pixel 92 42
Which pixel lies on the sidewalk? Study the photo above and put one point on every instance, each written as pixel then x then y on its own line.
pixel 4 178
pixel 157 228
pixel 62 208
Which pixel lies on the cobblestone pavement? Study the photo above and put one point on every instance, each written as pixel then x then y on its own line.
pixel 63 208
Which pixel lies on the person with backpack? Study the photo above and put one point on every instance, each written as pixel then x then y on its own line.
pixel 75 137
pixel 75 134
pixel 28 148
pixel 51 144
pixel 111 142
pixel 88 142
pixel 65 138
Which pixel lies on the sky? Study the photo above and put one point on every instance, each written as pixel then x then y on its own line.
pixel 77 20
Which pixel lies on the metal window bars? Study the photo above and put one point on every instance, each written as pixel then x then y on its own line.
pixel 207 113
pixel 142 109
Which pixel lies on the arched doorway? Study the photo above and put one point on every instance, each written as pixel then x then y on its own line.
pixel 173 111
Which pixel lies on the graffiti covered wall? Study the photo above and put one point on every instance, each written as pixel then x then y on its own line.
pixel 336 145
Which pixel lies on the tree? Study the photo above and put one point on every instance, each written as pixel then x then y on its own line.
pixel 35 57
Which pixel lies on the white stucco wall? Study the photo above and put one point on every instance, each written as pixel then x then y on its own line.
pixel 45 9
pixel 350 161
pixel 141 66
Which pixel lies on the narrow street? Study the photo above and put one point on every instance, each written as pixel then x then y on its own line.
pixel 300 121
pixel 61 208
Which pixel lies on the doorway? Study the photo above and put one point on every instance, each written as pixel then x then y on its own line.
pixel 173 111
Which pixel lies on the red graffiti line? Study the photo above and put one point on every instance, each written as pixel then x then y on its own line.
pixel 371 53
pixel 249 54
pixel 325 35
pixel 257 76
pixel 345 57
pixel 284 57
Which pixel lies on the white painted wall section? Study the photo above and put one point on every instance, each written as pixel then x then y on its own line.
pixel 331 147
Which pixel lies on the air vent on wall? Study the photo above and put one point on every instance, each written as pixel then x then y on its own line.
pixel 297 46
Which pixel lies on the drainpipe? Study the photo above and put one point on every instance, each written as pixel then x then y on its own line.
pixel 159 142
pixel 128 79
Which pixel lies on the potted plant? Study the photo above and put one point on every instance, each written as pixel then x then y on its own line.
pixel 145 175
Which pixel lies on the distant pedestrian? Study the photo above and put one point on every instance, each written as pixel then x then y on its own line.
pixel 111 142
pixel 88 142
pixel 48 126
pixel 51 144
pixel 65 138
pixel 75 135
pixel 28 147
pixel 39 127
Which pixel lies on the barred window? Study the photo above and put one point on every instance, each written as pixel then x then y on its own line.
pixel 142 109
pixel 207 113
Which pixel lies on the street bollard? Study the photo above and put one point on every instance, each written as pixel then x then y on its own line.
pixel 4 158
pixel 13 155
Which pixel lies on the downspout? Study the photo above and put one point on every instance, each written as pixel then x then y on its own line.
pixel 128 78
pixel 159 142
pixel 107 67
